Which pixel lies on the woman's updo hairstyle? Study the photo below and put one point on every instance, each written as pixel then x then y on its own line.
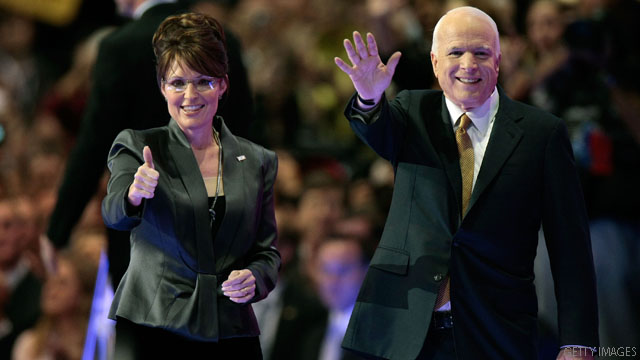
pixel 191 39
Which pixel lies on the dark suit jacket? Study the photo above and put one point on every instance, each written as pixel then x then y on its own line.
pixel 176 269
pixel 527 179
pixel 125 95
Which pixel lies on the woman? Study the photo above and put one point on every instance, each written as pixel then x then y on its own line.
pixel 195 265
pixel 65 304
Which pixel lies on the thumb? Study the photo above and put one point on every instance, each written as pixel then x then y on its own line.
pixel 148 158
pixel 393 62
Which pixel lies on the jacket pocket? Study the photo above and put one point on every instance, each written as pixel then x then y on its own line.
pixel 391 260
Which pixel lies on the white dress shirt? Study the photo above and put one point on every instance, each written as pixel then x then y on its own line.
pixel 479 131
pixel 336 328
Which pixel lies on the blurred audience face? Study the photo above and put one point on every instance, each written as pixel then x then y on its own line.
pixel 61 292
pixel 361 196
pixel 45 172
pixel 339 272
pixel 289 180
pixel 27 221
pixel 544 25
pixel 16 35
pixel 10 247
pixel 90 243
pixel 319 208
pixel 466 57
pixel 357 226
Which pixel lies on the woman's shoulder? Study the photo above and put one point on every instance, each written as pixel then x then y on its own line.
pixel 135 140
pixel 256 149
pixel 131 135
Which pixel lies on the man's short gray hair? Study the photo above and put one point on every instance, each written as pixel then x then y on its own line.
pixel 434 41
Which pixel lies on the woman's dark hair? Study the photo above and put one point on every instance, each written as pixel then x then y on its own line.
pixel 194 40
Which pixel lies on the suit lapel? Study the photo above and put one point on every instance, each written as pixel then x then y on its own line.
pixel 443 139
pixel 504 137
pixel 234 189
pixel 185 161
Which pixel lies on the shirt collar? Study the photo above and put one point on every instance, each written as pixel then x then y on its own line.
pixel 480 116
pixel 137 13
pixel 340 318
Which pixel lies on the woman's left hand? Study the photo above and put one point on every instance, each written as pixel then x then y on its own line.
pixel 240 287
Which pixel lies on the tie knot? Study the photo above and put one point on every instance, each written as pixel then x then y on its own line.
pixel 465 121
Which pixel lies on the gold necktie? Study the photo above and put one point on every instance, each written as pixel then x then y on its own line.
pixel 465 150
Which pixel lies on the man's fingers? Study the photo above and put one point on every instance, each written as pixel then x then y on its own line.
pixel 351 52
pixel 360 46
pixel 393 62
pixel 343 66
pixel 373 47
pixel 148 158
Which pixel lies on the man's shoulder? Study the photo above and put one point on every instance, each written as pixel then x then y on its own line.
pixel 416 102
pixel 419 94
pixel 528 113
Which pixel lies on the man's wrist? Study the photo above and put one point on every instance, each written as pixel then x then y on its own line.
pixel 366 104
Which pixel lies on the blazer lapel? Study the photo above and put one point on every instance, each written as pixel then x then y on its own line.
pixel 185 161
pixel 504 137
pixel 443 139
pixel 234 189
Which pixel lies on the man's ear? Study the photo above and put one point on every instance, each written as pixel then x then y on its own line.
pixel 434 64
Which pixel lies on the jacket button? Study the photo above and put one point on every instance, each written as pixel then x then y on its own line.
pixel 438 277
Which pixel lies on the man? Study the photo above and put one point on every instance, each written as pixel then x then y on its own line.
pixel 125 95
pixel 470 195
pixel 340 264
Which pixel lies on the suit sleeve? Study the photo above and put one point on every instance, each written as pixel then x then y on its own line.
pixel 382 128
pixel 265 258
pixel 123 162
pixel 566 230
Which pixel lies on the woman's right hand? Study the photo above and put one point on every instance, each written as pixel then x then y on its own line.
pixel 144 181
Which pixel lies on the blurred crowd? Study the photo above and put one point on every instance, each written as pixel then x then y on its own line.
pixel 574 58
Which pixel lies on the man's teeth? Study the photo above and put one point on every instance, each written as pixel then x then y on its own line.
pixel 191 107
pixel 469 81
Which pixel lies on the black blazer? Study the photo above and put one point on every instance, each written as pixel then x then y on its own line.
pixel 527 178
pixel 176 269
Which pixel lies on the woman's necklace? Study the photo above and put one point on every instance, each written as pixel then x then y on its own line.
pixel 212 212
